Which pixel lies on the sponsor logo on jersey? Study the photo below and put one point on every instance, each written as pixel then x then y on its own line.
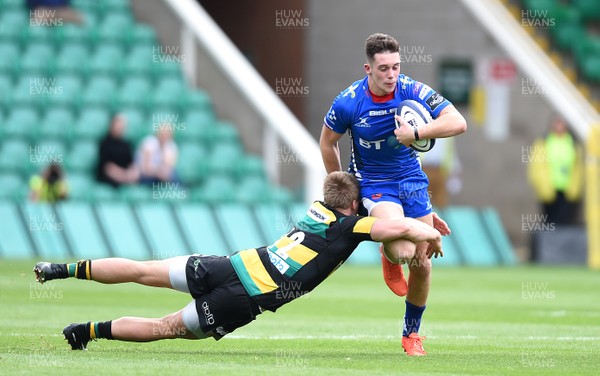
pixel 207 314
pixel 434 101
pixel 424 91
pixel 331 115
pixel 316 215
pixel 369 144
pixel 382 112
pixel 376 196
pixel 362 123
pixel 417 87
pixel 350 91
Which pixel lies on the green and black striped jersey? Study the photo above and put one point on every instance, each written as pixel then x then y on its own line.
pixel 301 259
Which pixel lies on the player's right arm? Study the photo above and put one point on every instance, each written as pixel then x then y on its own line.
pixel 385 230
pixel 330 150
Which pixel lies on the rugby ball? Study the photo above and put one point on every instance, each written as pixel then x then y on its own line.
pixel 415 114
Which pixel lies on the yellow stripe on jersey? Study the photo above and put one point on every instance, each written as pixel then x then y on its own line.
pixel 298 252
pixel 257 271
pixel 317 210
pixel 364 225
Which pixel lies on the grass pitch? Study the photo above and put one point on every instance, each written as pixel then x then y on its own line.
pixel 518 321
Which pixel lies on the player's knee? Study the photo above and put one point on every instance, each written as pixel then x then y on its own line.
pixel 400 251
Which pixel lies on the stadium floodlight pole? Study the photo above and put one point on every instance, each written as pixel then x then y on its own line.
pixel 255 91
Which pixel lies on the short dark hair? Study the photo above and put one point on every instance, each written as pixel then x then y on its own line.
pixel 340 189
pixel 379 42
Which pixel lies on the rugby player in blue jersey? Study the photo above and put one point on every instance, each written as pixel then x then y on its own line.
pixel 230 291
pixel 393 185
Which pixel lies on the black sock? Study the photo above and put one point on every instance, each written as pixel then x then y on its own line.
pixel 100 329
pixel 81 269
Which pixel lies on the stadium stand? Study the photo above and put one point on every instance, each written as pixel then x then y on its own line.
pixel 60 87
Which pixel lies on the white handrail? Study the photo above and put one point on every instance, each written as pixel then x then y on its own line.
pixel 254 90
pixel 531 59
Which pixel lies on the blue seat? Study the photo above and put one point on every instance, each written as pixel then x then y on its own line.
pixel 239 226
pixel 470 236
pixel 124 236
pixel 14 240
pixel 159 226
pixel 82 230
pixel 46 229
pixel 199 226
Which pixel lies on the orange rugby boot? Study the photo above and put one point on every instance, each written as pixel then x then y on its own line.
pixel 413 346
pixel 393 275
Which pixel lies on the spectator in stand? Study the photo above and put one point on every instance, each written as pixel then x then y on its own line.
pixel 51 12
pixel 556 173
pixel 115 163
pixel 49 186
pixel 157 156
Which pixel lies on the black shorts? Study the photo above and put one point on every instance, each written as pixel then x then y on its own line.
pixel 222 302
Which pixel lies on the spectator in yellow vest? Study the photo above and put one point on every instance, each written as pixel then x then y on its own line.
pixel 555 171
pixel 49 186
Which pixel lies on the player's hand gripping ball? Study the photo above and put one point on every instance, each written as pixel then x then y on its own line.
pixel 415 115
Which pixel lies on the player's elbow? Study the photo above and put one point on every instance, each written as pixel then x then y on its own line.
pixel 460 124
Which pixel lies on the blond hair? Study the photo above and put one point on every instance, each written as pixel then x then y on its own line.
pixel 340 189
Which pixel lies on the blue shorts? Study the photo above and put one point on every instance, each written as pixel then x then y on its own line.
pixel 410 193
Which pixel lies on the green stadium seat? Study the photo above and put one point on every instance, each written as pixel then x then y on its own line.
pixel 470 236
pixel 114 28
pixel 35 59
pixel 142 35
pixel 253 190
pixel 160 227
pixel 273 220
pixel 590 68
pixel 46 229
pixel 452 254
pixel 498 235
pixel 72 58
pixel 590 9
pixel 100 92
pixel 281 195
pixel 216 189
pixel 21 123
pixel 13 5
pixel 586 47
pixel 37 34
pixel 14 156
pixel 199 226
pixel 296 213
pixel 101 192
pixel 80 186
pixel 223 159
pixel 92 124
pixel 198 100
pixel 123 234
pixel 223 133
pixel 137 66
pixel 100 64
pixel 190 162
pixel 165 69
pixel 197 125
pixel 133 96
pixel 12 186
pixel 10 53
pixel 14 17
pixel 12 28
pixel 82 231
pixel 57 123
pixel 250 166
pixel 136 193
pixel 239 237
pixel 83 156
pixel 14 237
pixel 71 34
pixel 568 28
pixel 541 6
